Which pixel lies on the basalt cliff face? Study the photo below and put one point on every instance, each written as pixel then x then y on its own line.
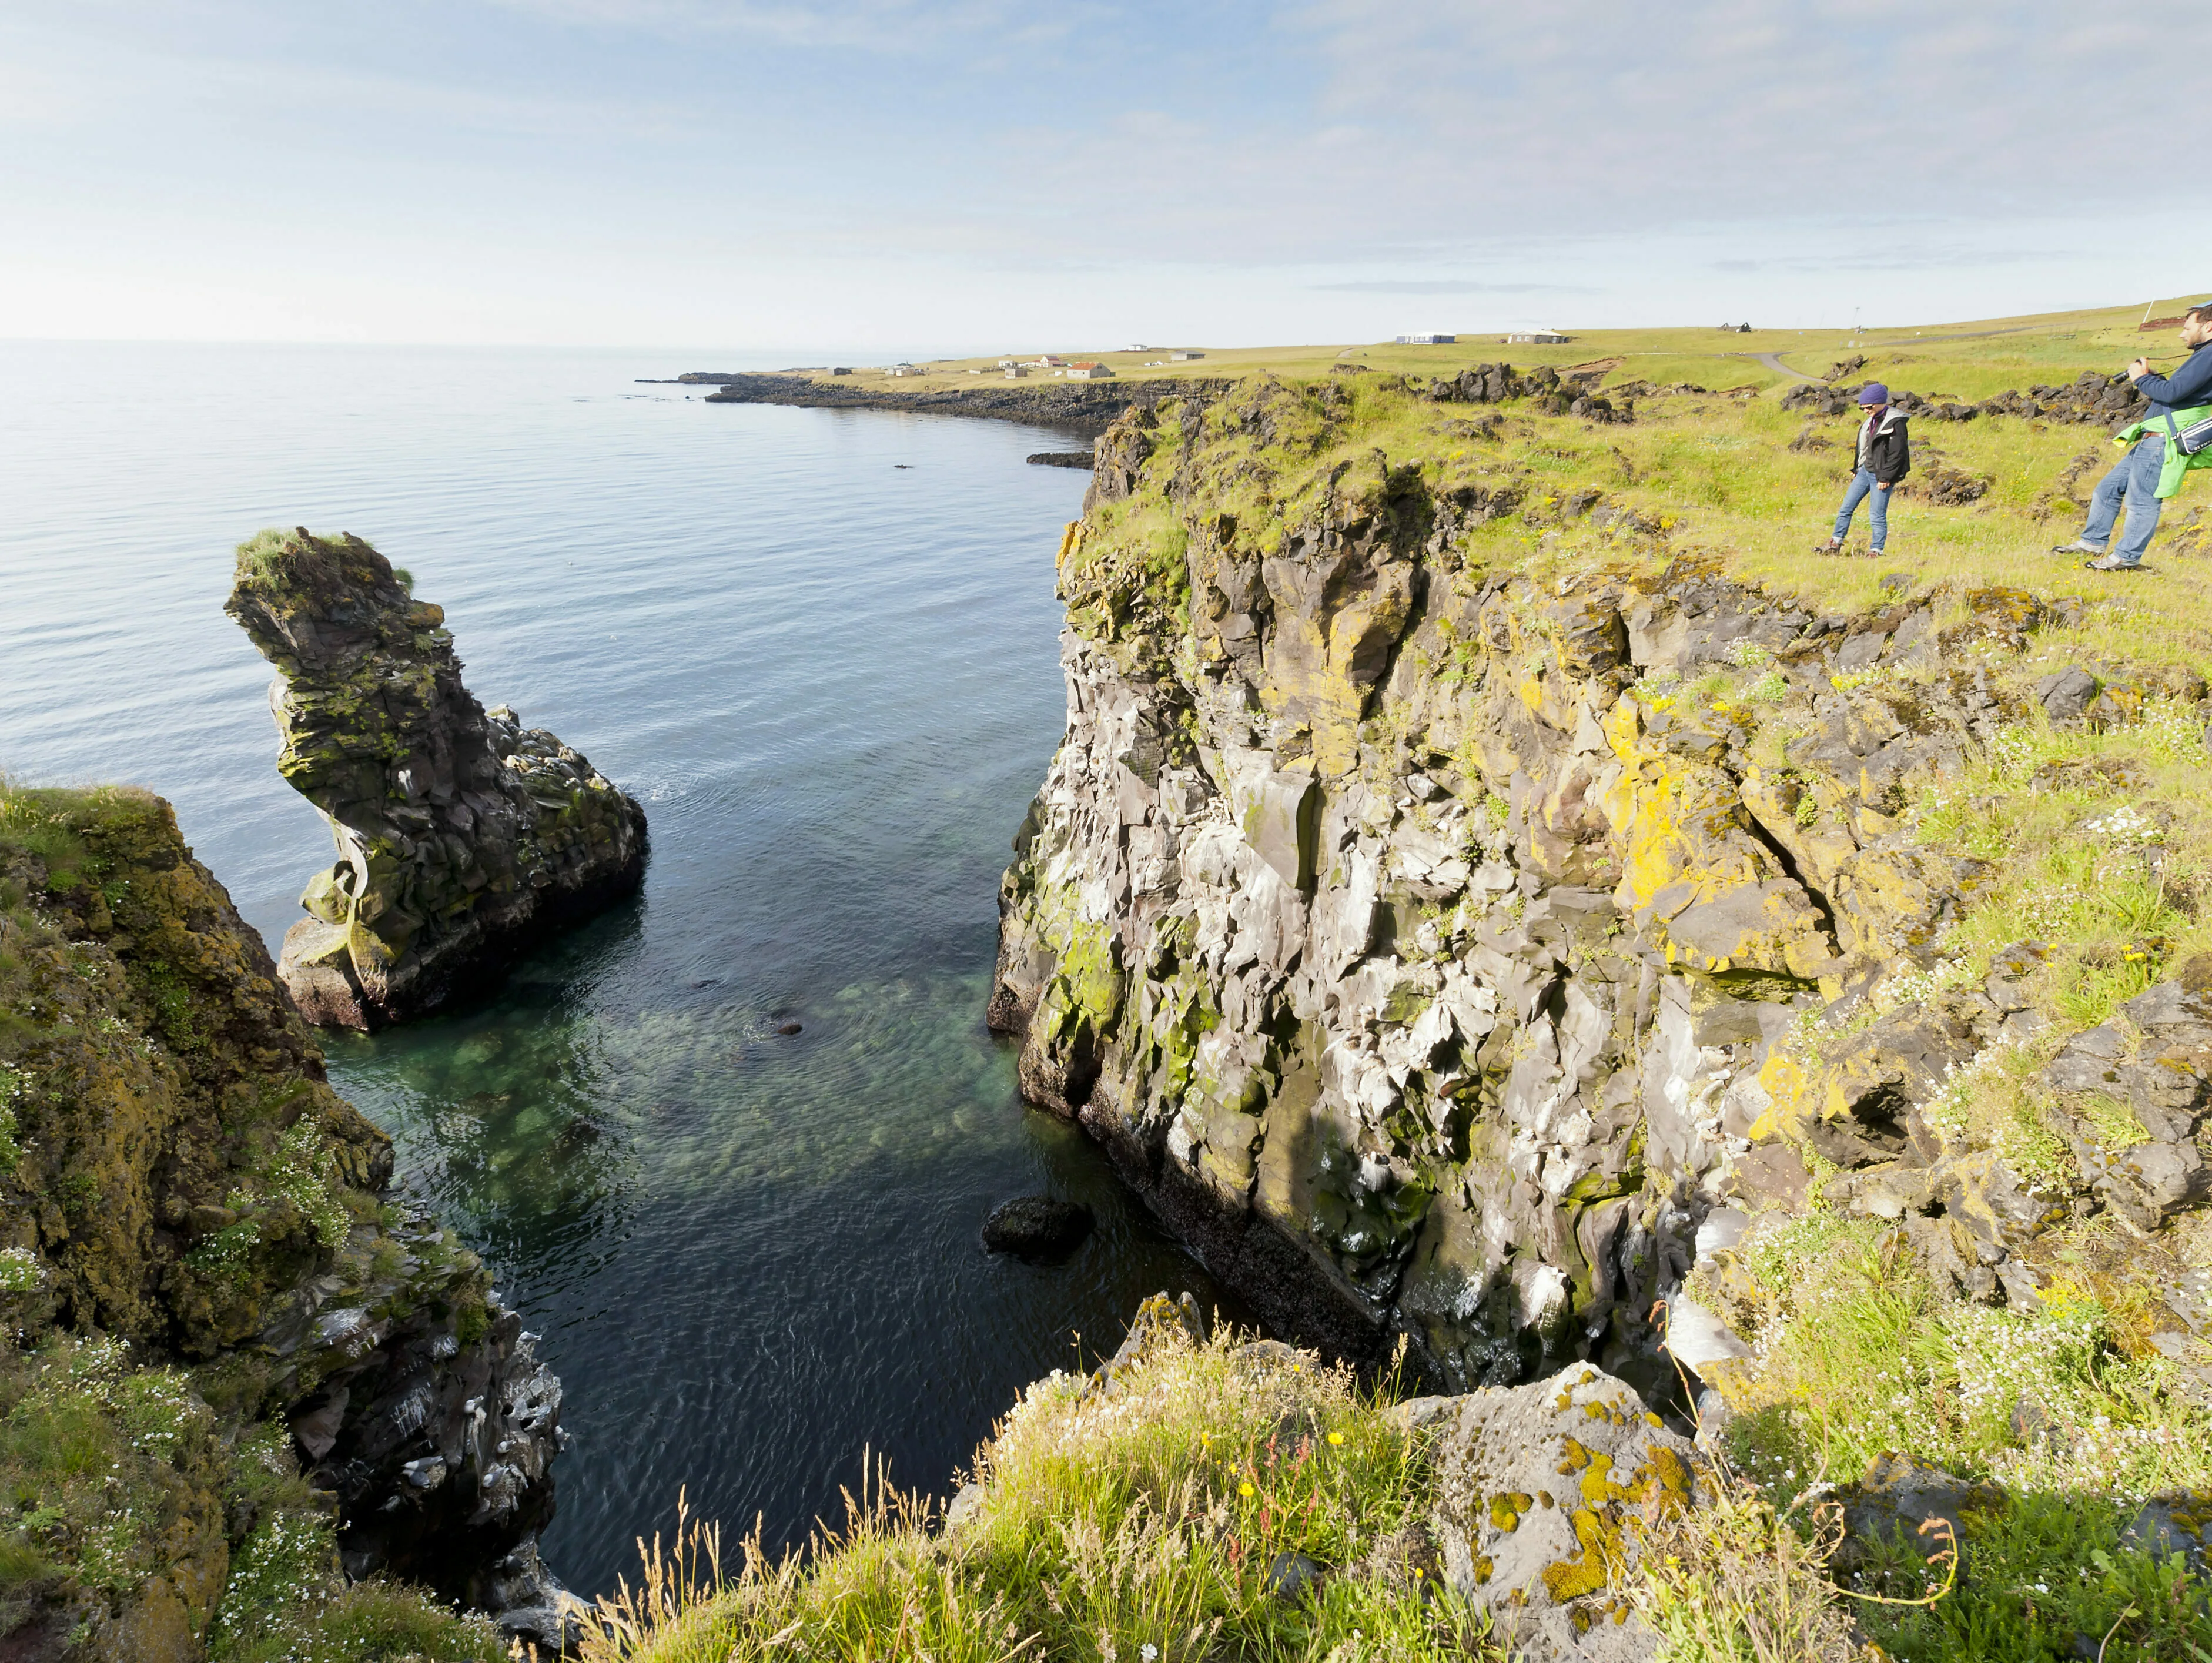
pixel 181 1181
pixel 1440 966
pixel 462 837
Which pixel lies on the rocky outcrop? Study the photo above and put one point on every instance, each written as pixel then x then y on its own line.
pixel 180 1175
pixel 1437 948
pixel 463 837
pixel 2111 400
pixel 1080 407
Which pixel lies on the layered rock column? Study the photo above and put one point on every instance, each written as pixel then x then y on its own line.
pixel 462 837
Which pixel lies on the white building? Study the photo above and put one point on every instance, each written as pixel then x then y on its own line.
pixel 1184 357
pixel 903 369
pixel 1427 340
pixel 1537 337
pixel 1089 372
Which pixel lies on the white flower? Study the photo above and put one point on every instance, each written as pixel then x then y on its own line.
pixel 1148 1651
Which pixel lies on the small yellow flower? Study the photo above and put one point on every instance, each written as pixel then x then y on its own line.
pixel 1244 1489
pixel 1417 1573
pixel 1336 1437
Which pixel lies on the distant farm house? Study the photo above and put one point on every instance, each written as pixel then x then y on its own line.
pixel 841 369
pixel 903 369
pixel 1015 372
pixel 1427 340
pixel 1088 373
pixel 1537 337
pixel 1184 357
pixel 1048 362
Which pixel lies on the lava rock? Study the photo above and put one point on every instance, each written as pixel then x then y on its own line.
pixel 1900 1500
pixel 1037 1227
pixel 1291 1574
pixel 2067 693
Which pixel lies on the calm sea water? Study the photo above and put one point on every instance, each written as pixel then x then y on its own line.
pixel 821 647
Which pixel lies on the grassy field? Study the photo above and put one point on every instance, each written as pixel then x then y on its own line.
pixel 1971 359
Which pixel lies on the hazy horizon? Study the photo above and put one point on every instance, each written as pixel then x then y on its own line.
pixel 902 178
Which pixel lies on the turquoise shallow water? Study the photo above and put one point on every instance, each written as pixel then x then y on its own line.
pixel 821 647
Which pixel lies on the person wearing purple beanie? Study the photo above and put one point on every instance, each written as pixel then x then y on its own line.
pixel 1885 456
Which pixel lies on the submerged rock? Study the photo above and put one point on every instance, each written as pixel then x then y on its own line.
pixel 1036 1227
pixel 463 837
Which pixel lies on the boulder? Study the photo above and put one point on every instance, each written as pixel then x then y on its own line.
pixel 2175 1522
pixel 2066 694
pixel 1036 1227
pixel 463 837
pixel 1536 1489
pixel 1899 1502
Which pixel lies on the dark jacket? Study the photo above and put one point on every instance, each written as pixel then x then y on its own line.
pixel 1890 455
pixel 2187 387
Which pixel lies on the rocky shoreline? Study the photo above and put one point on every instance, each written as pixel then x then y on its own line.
pixel 1086 408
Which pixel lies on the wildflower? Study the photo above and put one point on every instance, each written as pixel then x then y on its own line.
pixel 1148 1651
pixel 1245 1488
pixel 1336 1437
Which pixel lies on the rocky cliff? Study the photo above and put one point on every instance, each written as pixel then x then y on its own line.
pixel 462 837
pixel 1457 905
pixel 180 1182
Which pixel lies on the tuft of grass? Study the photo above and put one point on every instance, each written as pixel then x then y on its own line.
pixel 1740 1582
pixel 1144 1524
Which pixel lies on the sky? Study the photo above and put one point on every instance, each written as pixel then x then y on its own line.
pixel 885 176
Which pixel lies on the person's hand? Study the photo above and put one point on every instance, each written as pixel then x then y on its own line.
pixel 1881 484
pixel 2138 369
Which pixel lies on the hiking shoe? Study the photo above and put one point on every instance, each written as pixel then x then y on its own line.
pixel 2079 546
pixel 2111 563
pixel 1833 546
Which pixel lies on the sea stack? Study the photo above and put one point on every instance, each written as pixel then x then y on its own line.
pixel 463 837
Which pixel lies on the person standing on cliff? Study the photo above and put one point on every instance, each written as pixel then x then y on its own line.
pixel 1885 456
pixel 2151 470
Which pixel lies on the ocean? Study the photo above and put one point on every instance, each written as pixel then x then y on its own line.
pixel 821 647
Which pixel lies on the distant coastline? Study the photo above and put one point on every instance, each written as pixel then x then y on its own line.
pixel 1077 407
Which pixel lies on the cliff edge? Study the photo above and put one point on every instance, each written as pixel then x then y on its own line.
pixel 201 1269
pixel 462 837
pixel 1464 910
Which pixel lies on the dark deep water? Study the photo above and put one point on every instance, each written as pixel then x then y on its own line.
pixel 834 682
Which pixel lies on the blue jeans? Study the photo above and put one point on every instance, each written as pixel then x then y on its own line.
pixel 1863 485
pixel 2133 480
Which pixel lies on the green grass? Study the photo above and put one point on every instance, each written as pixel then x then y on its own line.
pixel 1137 1526
pixel 99 1466
pixel 1862 1357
